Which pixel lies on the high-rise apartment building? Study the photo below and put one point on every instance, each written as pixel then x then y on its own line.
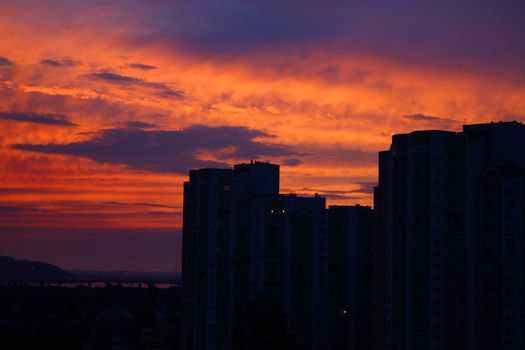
pixel 263 270
pixel 450 209
pixel 353 266
pixel 211 202
pixel 281 256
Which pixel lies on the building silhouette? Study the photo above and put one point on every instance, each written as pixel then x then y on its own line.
pixel 352 278
pixel 211 202
pixel 245 245
pixel 450 207
pixel 438 264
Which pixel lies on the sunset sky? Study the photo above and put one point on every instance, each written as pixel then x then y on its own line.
pixel 106 105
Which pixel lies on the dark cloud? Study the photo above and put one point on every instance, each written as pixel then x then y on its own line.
pixel 140 125
pixel 424 117
pixel 115 78
pixel 169 150
pixel 480 35
pixel 366 187
pixel 431 121
pixel 9 209
pixel 235 26
pixel 28 117
pixel 33 190
pixel 5 191
pixel 164 212
pixel 473 35
pixel 5 61
pixel 291 162
pixel 330 194
pixel 345 197
pixel 59 63
pixel 155 205
pixel 141 66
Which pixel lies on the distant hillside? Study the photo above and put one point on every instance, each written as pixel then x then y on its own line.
pixel 127 276
pixel 12 270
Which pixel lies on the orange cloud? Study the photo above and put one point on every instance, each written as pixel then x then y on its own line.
pixel 334 107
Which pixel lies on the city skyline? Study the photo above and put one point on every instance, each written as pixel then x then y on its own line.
pixel 105 106
pixel 438 263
